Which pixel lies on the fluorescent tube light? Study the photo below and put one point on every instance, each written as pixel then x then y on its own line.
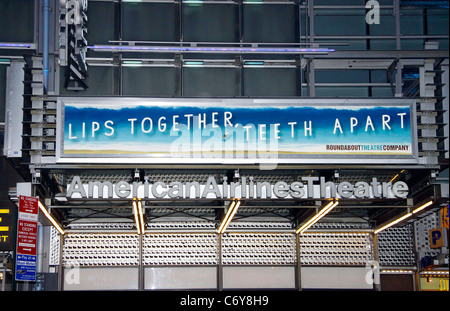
pixel 179 49
pixel 422 207
pixel 136 216
pixel 394 222
pixel 141 216
pixel 15 45
pixel 400 219
pixel 317 217
pixel 229 216
pixel 396 175
pixel 191 63
pixel 49 217
pixel 132 63
pixel 253 2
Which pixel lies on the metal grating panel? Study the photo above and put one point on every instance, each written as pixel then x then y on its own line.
pixel 181 225
pixel 101 250
pixel 271 178
pixel 202 248
pixel 267 225
pixel 335 248
pixel 258 249
pixel 180 249
pixel 395 247
pixel 341 225
pixel 421 229
pixel 55 247
pixel 183 178
pixel 103 226
pixel 114 178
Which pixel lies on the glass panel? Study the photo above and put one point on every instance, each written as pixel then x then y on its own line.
pixel 383 44
pixel 342 91
pixel 149 22
pixel 342 76
pixel 270 82
pixel 213 22
pixel 2 92
pixel 386 27
pixel 381 92
pixel 411 22
pixel 378 76
pixel 151 81
pixel 17 21
pixel 201 81
pixel 412 44
pixel 99 82
pixel 100 22
pixel 437 22
pixel 340 22
pixel 269 23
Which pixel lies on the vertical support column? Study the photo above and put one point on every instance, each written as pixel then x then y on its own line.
pixel 310 7
pixel 219 266
pixel 178 60
pixel 298 67
pixel 238 62
pixel 45 39
pixel 179 57
pixel 377 285
pixel 298 268
pixel 117 57
pixel 398 79
pixel 61 263
pixel 398 44
pixel 311 78
pixel 141 263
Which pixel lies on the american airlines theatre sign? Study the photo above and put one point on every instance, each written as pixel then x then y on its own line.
pixel 222 131
pixel 307 187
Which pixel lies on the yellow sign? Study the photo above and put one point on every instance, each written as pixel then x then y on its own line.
pixel 4 230
pixel 434 284
pixel 443 285
pixel 438 237
pixel 444 217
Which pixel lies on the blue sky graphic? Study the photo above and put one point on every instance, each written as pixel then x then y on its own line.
pixel 323 122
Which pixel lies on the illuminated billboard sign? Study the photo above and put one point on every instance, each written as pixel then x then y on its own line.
pixel 296 131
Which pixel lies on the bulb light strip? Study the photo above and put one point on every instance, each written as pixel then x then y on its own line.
pixel 396 221
pixel 229 215
pixel 49 217
pixel 136 216
pixel 141 216
pixel 317 217
pixel 400 219
pixel 422 207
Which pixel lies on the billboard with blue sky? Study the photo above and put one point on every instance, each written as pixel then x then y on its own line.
pixel 246 130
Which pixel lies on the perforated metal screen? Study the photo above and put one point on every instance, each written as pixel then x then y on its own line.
pixel 395 248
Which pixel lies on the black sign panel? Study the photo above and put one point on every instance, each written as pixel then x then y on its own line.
pixel 7 224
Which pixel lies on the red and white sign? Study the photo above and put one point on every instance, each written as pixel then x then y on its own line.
pixel 27 225
pixel 27 237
